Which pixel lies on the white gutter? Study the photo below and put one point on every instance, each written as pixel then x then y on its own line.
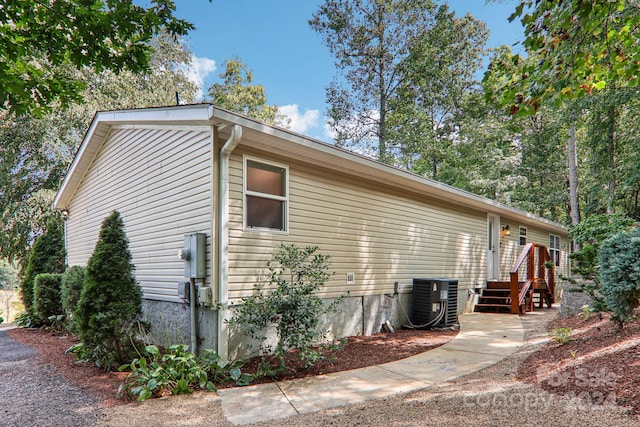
pixel 223 239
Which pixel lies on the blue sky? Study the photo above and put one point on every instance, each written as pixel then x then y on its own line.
pixel 273 38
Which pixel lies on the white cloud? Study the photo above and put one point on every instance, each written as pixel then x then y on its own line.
pixel 300 122
pixel 198 71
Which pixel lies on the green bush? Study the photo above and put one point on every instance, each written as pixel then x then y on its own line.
pixel 46 297
pixel 110 303
pixel 71 288
pixel 589 235
pixel 620 273
pixel 289 302
pixel 72 281
pixel 47 256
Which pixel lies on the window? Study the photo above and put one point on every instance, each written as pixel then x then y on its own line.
pixel 523 236
pixel 554 249
pixel 266 194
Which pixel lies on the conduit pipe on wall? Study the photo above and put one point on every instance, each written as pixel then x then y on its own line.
pixel 223 238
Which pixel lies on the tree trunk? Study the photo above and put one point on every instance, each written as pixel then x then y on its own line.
pixel 574 200
pixel 573 177
pixel 612 185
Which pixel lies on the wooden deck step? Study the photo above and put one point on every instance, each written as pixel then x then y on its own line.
pixel 496 298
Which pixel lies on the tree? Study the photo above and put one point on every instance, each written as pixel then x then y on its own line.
pixel 439 75
pixel 8 287
pixel 44 42
pixel 582 47
pixel 47 256
pixel 237 93
pixel 369 40
pixel 111 301
pixel 36 151
pixel 611 140
pixel 486 156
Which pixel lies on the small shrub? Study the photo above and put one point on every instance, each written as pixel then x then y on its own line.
pixel 220 372
pixel 46 297
pixel 47 256
pixel 110 304
pixel 561 335
pixel 70 292
pixel 71 288
pixel 288 302
pixel 589 235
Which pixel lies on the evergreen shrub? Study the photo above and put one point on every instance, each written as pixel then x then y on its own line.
pixel 70 291
pixel 72 280
pixel 47 256
pixel 110 305
pixel 620 274
pixel 46 297
pixel 589 235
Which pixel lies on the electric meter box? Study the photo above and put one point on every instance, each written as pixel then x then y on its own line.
pixel 194 255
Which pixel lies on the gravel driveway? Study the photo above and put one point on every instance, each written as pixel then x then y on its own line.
pixel 32 394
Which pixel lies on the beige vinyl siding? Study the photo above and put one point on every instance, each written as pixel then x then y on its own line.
pixel 381 235
pixel 160 180
pixel 511 249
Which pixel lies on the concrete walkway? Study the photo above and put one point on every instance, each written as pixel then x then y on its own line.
pixel 483 340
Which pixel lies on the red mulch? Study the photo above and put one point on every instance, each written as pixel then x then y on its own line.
pixel 361 351
pixel 358 352
pixel 601 364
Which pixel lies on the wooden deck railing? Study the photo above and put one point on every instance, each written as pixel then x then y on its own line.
pixel 520 290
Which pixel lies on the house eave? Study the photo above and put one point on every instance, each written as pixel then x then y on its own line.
pixel 284 142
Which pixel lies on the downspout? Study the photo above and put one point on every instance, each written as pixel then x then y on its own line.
pixel 223 239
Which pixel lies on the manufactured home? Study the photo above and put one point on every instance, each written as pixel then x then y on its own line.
pixel 199 175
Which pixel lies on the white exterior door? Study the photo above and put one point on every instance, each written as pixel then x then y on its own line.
pixel 493 247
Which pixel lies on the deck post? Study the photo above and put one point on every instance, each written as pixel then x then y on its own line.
pixel 515 295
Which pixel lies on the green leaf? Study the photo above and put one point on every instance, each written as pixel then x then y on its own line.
pixel 144 395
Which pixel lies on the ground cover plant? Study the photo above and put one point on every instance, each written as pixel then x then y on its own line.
pixel 175 370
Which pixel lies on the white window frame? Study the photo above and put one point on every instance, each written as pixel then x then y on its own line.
pixel 521 235
pixel 552 250
pixel 245 193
